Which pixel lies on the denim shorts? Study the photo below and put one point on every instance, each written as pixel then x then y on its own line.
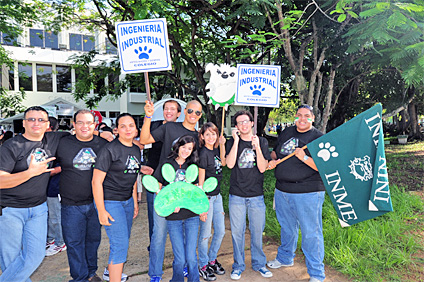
pixel 120 231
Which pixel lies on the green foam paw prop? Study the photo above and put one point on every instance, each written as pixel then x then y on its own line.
pixel 180 194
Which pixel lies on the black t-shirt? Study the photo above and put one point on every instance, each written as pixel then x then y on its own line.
pixel 122 165
pixel 77 159
pixel 179 176
pixel 293 176
pixel 15 155
pixel 246 180
pixel 210 161
pixel 153 155
pixel 168 134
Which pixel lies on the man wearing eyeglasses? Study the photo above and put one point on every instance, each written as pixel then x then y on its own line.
pixel 77 155
pixel 167 134
pixel 247 157
pixel 299 196
pixel 24 175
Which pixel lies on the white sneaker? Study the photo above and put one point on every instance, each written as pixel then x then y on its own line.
pixel 48 244
pixel 235 274
pixel 276 264
pixel 124 277
pixel 313 279
pixel 54 249
pixel 265 272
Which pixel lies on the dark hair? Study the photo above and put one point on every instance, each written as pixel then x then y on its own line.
pixel 305 106
pixel 172 101
pixel 35 108
pixel 54 125
pixel 205 127
pixel 123 115
pixel 193 158
pixel 84 112
pixel 241 113
pixel 7 135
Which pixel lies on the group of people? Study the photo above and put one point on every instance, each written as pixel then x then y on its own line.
pixel 98 186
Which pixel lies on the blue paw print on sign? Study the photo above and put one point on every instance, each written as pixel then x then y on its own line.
pixel 144 54
pixel 256 90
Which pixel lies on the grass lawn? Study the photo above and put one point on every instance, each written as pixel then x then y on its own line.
pixel 387 248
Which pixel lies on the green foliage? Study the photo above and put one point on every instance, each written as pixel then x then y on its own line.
pixel 11 102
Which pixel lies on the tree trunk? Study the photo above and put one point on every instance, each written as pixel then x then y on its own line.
pixel 415 128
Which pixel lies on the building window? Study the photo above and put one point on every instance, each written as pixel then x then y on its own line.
pixel 8 40
pixel 79 42
pixel 44 39
pixel 113 114
pixel 63 79
pixel 44 78
pixel 103 113
pixel 25 76
pixel 12 79
pixel 110 49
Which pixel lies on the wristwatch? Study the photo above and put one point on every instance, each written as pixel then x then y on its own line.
pixel 305 158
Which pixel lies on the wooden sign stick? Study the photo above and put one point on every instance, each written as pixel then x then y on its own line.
pixel 288 156
pixel 222 121
pixel 146 81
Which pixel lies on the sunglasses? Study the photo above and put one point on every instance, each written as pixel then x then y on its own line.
pixel 40 120
pixel 190 111
pixel 306 107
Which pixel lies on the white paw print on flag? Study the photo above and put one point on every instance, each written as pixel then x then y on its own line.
pixel 327 151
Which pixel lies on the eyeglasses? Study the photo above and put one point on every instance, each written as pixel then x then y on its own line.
pixel 81 123
pixel 306 107
pixel 40 120
pixel 190 111
pixel 243 122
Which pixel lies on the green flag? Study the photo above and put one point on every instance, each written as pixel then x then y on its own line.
pixel 352 165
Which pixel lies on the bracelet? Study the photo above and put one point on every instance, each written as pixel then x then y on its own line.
pixel 147 117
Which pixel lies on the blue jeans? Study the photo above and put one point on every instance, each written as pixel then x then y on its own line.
pixel 157 245
pixel 150 211
pixel 22 242
pixel 304 210
pixel 217 217
pixel 82 234
pixel 184 249
pixel 255 207
pixel 54 228
pixel 120 231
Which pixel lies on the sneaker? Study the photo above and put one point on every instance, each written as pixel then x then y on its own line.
pixel 276 264
pixel 217 267
pixel 207 273
pixel 265 272
pixel 53 249
pixel 95 278
pixel 185 271
pixel 48 244
pixel 155 278
pixel 235 274
pixel 313 279
pixel 124 277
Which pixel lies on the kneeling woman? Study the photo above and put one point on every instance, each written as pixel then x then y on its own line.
pixel 115 191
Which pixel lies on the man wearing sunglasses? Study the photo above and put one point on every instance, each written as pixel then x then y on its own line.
pixel 167 134
pixel 24 175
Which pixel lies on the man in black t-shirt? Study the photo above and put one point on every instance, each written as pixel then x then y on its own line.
pixel 80 225
pixel 247 157
pixel 167 134
pixel 24 175
pixel 171 112
pixel 299 196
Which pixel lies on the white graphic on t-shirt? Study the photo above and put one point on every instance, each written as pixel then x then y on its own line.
pixel 361 168
pixel 39 155
pixel 85 159
pixel 180 175
pixel 327 151
pixel 289 146
pixel 218 165
pixel 133 165
pixel 247 158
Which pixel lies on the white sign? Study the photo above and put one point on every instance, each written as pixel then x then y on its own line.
pixel 258 85
pixel 143 46
pixel 51 110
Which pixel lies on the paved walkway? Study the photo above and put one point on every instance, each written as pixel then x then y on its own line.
pixel 56 269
